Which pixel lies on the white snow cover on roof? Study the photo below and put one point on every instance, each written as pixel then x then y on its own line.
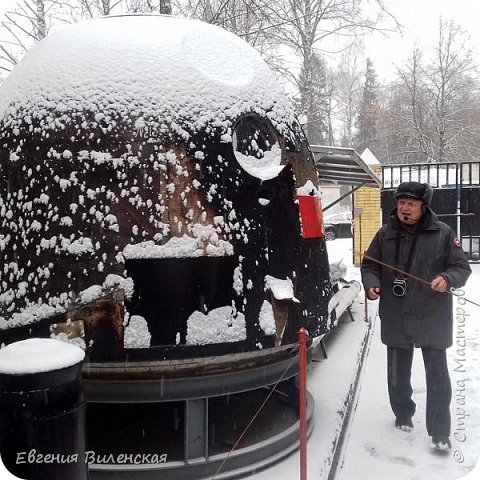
pixel 167 72
pixel 369 158
pixel 38 355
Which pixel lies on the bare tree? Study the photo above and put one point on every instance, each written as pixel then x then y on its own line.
pixel 249 19
pixel 447 79
pixel 397 134
pixel 412 77
pixel 304 25
pixel 316 106
pixel 95 8
pixel 433 110
pixel 27 23
pixel 163 7
pixel 347 90
pixel 281 30
pixel 367 119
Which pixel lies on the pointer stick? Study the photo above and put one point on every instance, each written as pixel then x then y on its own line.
pixel 418 279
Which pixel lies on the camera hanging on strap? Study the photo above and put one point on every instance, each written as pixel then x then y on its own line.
pixel 399 284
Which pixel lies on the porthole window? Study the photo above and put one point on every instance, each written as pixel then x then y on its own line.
pixel 256 147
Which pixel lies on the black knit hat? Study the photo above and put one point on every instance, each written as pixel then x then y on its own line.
pixel 417 190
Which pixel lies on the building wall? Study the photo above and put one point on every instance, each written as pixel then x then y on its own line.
pixel 367 219
pixel 330 193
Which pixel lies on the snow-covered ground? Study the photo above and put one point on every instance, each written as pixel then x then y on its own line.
pixel 374 449
pixel 329 382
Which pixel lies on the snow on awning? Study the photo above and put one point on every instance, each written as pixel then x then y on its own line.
pixel 343 166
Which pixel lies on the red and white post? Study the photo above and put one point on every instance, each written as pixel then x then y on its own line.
pixel 302 340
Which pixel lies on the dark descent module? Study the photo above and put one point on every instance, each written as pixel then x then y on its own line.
pixel 159 207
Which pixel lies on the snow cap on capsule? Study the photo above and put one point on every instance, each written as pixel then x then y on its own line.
pixel 157 71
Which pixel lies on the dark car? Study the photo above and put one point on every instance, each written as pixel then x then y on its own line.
pixel 338 225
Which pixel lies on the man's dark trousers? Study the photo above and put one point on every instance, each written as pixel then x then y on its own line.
pixel 439 389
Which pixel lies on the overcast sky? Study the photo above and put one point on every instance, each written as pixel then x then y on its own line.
pixel 420 20
pixel 5 5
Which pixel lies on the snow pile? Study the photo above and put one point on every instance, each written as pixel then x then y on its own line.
pixel 90 294
pixel 64 337
pixel 281 289
pixel 38 355
pixel 343 299
pixel 136 333
pixel 112 283
pixel 338 271
pixel 264 168
pixel 80 246
pixel 308 189
pixel 220 325
pixel 238 279
pixel 58 305
pixel 205 241
pixel 116 282
pixel 35 312
pixel 267 319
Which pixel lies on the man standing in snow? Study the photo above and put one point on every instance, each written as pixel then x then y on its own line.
pixel 412 313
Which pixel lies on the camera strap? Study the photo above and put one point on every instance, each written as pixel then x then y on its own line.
pixel 410 253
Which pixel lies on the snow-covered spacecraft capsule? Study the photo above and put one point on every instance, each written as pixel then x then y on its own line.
pixel 158 157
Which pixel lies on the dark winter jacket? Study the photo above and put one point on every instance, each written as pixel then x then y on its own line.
pixel 422 317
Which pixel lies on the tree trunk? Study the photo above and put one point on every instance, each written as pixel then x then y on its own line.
pixel 165 7
pixel 41 25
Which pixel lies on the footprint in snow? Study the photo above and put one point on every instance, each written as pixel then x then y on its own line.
pixel 371 450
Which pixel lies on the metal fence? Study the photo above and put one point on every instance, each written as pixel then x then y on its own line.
pixel 456 198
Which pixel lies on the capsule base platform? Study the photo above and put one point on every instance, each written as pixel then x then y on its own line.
pixel 194 439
